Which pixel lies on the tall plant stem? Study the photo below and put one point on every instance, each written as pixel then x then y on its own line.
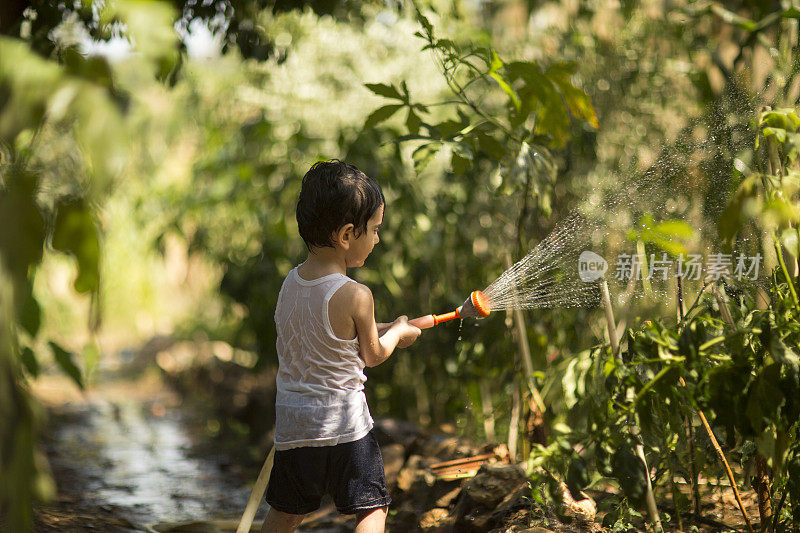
pixel 726 315
pixel 612 324
pixel 687 419
pixel 761 485
pixel 524 350
pixel 728 471
pixel 513 424
pixel 785 271
pixel 652 510
pixel 675 495
pixel 797 252
pixel 693 466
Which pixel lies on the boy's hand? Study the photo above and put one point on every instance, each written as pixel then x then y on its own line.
pixel 408 333
pixel 383 327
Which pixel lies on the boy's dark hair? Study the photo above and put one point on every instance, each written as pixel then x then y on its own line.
pixel 333 194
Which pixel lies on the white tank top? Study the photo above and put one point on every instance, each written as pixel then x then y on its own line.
pixel 320 384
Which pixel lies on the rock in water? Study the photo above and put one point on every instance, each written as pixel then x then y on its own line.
pixel 493 483
pixel 482 494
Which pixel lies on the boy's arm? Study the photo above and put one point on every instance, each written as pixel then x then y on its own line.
pixel 375 348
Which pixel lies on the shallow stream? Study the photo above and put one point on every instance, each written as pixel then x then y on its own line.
pixel 141 459
pixel 130 453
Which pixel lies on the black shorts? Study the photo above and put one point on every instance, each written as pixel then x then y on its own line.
pixel 351 472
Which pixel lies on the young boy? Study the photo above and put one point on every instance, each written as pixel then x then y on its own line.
pixel 327 334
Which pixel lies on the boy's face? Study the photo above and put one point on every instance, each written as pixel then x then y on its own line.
pixel 362 246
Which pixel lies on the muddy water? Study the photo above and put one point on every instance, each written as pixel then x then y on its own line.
pixel 129 453
pixel 122 454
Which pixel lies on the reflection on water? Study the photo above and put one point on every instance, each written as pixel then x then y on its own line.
pixel 137 461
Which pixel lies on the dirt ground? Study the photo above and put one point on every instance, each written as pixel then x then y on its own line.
pixel 80 507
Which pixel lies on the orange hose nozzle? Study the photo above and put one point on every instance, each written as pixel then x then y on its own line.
pixel 438 319
pixel 476 306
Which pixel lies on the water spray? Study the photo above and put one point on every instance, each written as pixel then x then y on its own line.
pixel 477 305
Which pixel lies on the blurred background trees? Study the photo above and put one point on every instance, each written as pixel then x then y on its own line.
pixel 151 155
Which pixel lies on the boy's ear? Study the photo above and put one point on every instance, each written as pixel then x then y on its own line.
pixel 344 236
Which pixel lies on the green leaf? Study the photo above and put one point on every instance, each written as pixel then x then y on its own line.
pixel 92 68
pixel 577 476
pixel 382 89
pixel 782 211
pixel 791 13
pixel 539 95
pixel 413 122
pixel 460 165
pixel 783 354
pixel 491 146
pixel 381 114
pixel 784 118
pixel 29 312
pixel 778 133
pixel 630 472
pixel 789 240
pixel 91 357
pixel 675 228
pixel 28 359
pixel 449 128
pixel 461 159
pixel 447 46
pixel 741 205
pixel 151 27
pixel 764 398
pixel 423 155
pixel 64 360
pixel 496 65
pixel 24 92
pixel 423 20
pixel 512 95
pixel 667 235
pixel 576 99
pixel 75 233
pixel 21 243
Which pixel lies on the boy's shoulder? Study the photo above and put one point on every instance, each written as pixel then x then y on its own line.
pixel 352 298
pixel 356 291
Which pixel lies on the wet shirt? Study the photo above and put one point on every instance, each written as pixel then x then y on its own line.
pixel 320 397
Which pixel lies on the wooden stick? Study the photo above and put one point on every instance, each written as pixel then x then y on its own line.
pixel 257 494
pixel 726 315
pixel 689 428
pixel 513 424
pixel 612 324
pixel 525 355
pixel 675 500
pixel 524 348
pixel 721 455
pixel 652 510
pixel 693 467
